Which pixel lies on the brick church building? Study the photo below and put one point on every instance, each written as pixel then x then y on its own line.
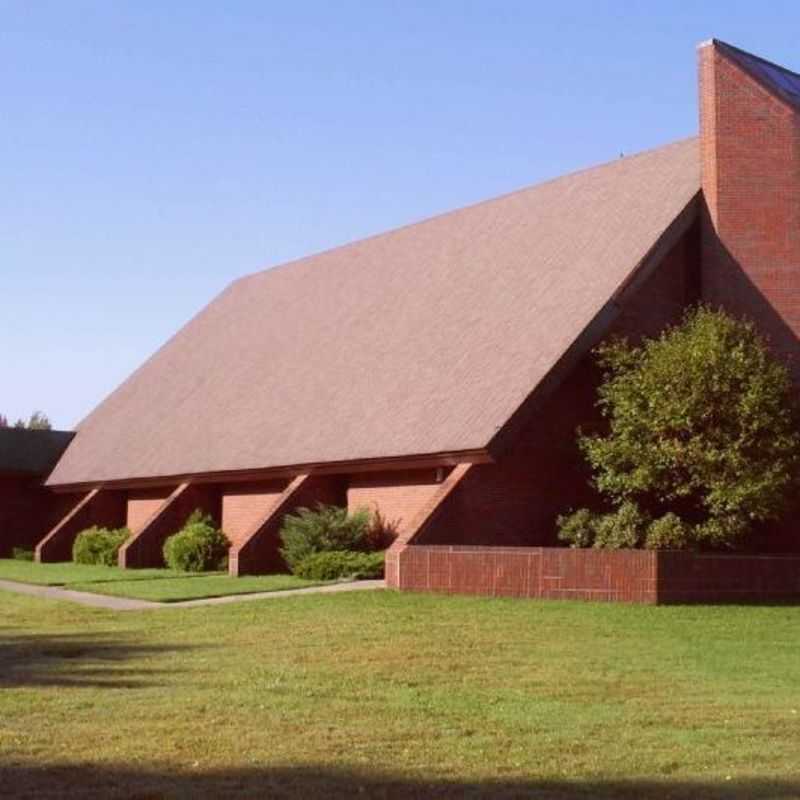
pixel 438 371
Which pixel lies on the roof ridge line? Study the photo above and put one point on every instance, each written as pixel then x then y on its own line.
pixel 779 82
pixel 478 204
pixel 754 56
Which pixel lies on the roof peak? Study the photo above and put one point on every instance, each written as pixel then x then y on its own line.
pixel 521 190
pixel 739 51
pixel 776 78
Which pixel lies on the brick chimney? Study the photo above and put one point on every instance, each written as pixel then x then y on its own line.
pixel 750 157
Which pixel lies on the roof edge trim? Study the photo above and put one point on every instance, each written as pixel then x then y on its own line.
pixel 741 58
pixel 389 463
pixel 573 173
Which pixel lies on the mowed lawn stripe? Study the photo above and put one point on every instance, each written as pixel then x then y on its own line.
pixel 417 687
pixel 66 572
pixel 160 585
pixel 171 590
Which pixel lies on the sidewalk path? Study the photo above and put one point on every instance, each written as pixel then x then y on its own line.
pixel 129 604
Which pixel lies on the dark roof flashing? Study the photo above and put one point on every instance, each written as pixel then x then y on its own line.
pixel 778 80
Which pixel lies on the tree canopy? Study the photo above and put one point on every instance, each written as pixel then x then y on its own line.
pixel 38 421
pixel 701 439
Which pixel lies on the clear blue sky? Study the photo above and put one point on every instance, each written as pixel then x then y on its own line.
pixel 151 152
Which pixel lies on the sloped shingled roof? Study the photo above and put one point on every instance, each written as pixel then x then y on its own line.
pixel 422 340
pixel 31 452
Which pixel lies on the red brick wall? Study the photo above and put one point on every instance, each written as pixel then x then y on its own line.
pixel 750 155
pixel 515 501
pixel 259 551
pixel 100 507
pixel 662 299
pixel 638 576
pixel 492 571
pixel 688 577
pixel 551 573
pixel 750 159
pixel 143 503
pixel 244 505
pixel 27 511
pixel 399 495
pixel 144 548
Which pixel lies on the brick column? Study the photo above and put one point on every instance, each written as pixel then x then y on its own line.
pixel 144 548
pixel 258 551
pixel 99 506
pixel 423 519
pixel 750 162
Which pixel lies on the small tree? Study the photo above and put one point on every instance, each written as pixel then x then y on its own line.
pixel 38 421
pixel 702 441
pixel 3 421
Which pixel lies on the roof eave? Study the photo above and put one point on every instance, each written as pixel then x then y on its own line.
pixel 387 464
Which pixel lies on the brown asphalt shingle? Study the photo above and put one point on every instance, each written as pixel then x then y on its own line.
pixel 31 452
pixel 421 340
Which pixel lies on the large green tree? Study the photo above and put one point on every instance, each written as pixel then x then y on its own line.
pixel 701 440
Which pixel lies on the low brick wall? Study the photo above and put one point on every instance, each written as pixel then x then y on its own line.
pixel 692 578
pixel 635 576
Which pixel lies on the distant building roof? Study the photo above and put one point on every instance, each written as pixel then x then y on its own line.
pixel 31 452
pixel 419 341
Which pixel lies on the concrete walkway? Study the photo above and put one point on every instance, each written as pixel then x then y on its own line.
pixel 129 604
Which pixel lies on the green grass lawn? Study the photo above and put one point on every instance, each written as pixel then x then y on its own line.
pixel 173 589
pixel 161 585
pixel 380 694
pixel 64 573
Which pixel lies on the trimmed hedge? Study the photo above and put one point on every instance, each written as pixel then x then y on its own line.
pixel 21 554
pixel 322 529
pixel 200 546
pixel 99 546
pixel 336 564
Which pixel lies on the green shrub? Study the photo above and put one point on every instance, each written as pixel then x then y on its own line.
pixel 200 546
pixel 335 564
pixel 669 532
pixel 623 528
pixel 701 424
pixel 381 532
pixel 579 528
pixel 99 546
pixel 722 530
pixel 21 554
pixel 322 529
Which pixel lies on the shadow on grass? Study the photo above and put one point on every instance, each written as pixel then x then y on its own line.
pixel 77 660
pixel 323 782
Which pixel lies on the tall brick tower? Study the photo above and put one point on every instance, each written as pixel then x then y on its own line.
pixel 750 157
